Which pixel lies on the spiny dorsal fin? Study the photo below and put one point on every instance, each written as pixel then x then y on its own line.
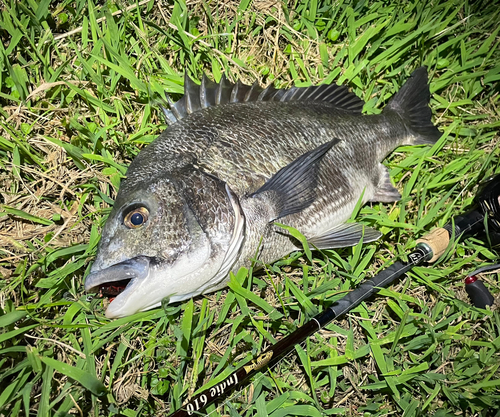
pixel 197 97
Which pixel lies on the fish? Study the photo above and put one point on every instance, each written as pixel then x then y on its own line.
pixel 204 198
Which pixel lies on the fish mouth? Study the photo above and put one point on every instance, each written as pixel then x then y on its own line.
pixel 113 289
pixel 116 279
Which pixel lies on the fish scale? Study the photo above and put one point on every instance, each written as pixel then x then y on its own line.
pixel 277 144
pixel 235 160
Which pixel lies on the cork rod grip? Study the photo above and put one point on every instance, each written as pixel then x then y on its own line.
pixel 437 240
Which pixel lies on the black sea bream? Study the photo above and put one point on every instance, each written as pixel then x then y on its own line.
pixel 201 200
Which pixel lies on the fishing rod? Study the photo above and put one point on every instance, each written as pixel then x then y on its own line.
pixel 483 218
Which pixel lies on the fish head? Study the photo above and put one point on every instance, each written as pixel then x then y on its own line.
pixel 174 236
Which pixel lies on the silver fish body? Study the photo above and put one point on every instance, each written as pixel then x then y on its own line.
pixel 234 160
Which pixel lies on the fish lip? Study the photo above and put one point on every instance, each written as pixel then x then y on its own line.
pixel 132 269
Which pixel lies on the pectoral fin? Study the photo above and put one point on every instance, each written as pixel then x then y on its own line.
pixel 348 234
pixel 293 188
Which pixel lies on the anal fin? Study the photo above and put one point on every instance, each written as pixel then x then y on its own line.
pixel 347 234
pixel 385 192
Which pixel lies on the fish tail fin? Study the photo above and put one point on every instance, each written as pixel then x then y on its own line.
pixel 412 103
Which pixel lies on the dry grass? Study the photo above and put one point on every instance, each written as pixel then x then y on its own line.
pixel 92 108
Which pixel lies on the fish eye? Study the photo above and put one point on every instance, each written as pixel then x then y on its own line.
pixel 136 217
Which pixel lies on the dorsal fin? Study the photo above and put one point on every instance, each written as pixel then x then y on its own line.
pixel 208 94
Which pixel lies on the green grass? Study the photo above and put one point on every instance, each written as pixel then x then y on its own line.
pixel 80 83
